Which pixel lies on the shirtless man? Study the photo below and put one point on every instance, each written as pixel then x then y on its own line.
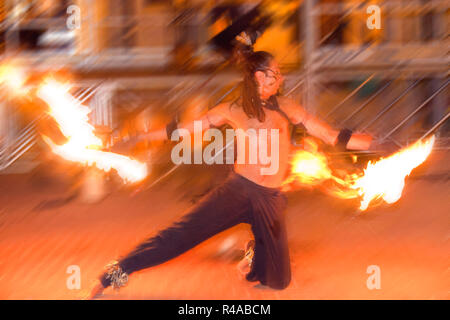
pixel 247 196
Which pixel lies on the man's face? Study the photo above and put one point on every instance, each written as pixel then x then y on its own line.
pixel 269 80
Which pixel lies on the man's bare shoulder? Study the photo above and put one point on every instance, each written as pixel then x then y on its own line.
pixel 289 105
pixel 221 108
pixel 292 108
pixel 220 114
pixel 286 102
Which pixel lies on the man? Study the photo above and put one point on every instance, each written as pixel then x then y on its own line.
pixel 247 196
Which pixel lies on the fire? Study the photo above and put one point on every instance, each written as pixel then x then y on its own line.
pixel 82 144
pixel 386 178
pixel 13 78
pixel 382 179
pixel 309 166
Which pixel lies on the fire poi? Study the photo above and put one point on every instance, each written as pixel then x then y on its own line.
pixel 238 199
pixel 383 179
pixel 82 145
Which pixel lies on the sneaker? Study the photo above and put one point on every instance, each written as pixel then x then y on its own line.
pixel 245 265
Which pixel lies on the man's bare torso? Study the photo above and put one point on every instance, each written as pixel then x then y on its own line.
pixel 274 120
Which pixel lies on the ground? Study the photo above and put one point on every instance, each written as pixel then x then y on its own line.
pixel 332 244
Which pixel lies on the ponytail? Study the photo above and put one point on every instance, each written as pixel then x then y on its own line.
pixel 249 62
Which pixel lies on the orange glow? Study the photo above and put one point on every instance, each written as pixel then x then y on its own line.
pixel 13 78
pixel 83 145
pixel 309 167
pixel 382 179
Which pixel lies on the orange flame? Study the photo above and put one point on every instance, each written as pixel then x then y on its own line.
pixel 382 179
pixel 386 178
pixel 13 78
pixel 83 145
pixel 309 166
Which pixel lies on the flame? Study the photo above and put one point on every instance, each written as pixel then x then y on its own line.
pixel 309 166
pixel 13 78
pixel 381 179
pixel 83 145
pixel 386 178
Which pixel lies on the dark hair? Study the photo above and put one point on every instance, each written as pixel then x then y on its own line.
pixel 250 62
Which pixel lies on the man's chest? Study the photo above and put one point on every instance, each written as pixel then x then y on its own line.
pixel 273 121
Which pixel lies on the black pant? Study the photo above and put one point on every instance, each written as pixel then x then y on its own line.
pixel 237 200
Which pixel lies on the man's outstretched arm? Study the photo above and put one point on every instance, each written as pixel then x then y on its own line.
pixel 208 120
pixel 322 130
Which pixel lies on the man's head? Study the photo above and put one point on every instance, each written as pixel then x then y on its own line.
pixel 269 80
pixel 262 79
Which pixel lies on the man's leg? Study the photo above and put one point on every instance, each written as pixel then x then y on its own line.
pixel 221 209
pixel 271 263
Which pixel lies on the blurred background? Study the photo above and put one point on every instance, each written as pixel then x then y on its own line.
pixel 139 63
pixel 146 59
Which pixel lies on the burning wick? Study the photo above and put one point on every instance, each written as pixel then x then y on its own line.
pixel 383 179
pixel 83 145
